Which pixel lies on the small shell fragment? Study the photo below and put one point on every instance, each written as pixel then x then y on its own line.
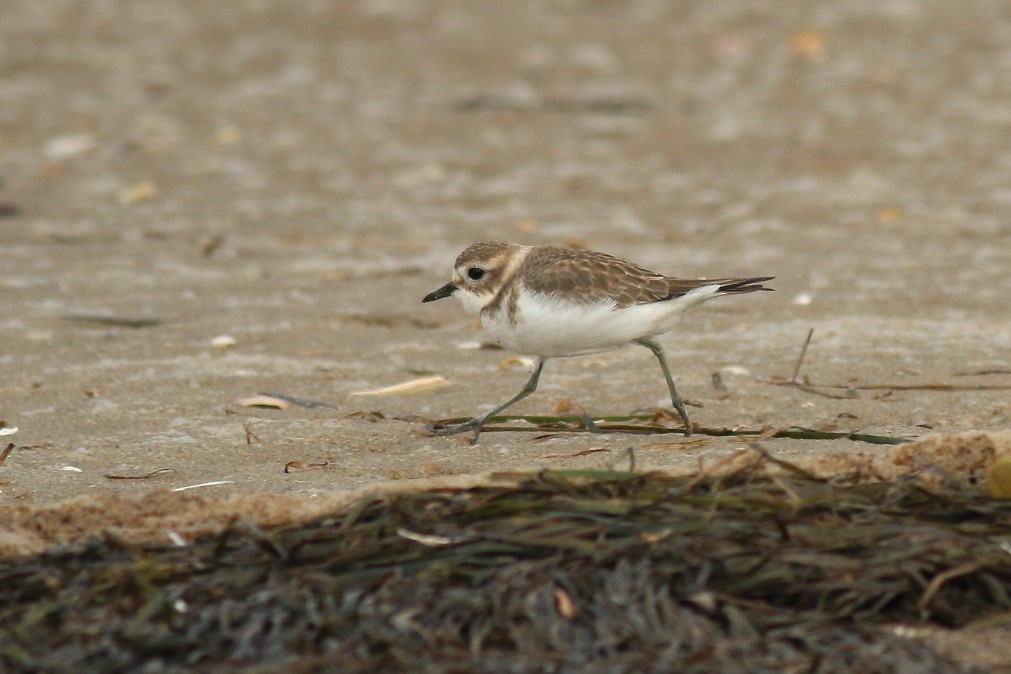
pixel 176 539
pixel 215 483
pixel 142 191
pixel 510 363
pixel 803 299
pixel 9 431
pixel 563 602
pixel 224 341
pixel 808 44
pixel 263 401
pixel 889 214
pixel 412 387
pixel 998 478
pixel 227 135
pixel 425 539
pixel 736 369
pixel 62 147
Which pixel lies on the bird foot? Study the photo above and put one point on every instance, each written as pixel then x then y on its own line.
pixel 475 424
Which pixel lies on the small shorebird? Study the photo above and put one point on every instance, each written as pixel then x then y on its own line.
pixel 551 302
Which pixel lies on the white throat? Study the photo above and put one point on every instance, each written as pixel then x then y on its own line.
pixel 473 302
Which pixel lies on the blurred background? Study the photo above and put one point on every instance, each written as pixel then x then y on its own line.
pixel 201 201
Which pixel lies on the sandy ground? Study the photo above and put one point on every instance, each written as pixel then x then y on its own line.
pixel 297 177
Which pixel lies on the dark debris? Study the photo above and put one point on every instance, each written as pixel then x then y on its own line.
pixel 562 573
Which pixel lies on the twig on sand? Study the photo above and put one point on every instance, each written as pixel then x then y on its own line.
pixel 6 452
pixel 800 359
pixel 145 476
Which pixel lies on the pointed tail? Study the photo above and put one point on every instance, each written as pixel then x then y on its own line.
pixel 744 285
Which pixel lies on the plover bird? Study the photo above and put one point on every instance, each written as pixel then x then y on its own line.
pixel 552 302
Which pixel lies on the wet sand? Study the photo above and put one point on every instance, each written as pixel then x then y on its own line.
pixel 293 181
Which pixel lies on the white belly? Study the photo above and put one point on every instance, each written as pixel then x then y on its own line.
pixel 546 326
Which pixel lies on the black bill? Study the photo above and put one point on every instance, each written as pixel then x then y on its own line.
pixel 444 291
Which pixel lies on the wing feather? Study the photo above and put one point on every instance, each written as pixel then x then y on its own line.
pixel 588 277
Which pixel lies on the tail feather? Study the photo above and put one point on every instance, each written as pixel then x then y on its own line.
pixel 707 288
pixel 744 285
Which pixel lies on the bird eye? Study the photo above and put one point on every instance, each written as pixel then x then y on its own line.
pixel 475 273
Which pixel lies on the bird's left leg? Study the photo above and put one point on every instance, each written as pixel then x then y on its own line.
pixel 477 423
pixel 674 397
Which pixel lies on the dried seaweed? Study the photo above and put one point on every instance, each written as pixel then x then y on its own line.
pixel 301 402
pixel 595 106
pixel 115 321
pixel 567 571
pixel 648 426
pixel 852 388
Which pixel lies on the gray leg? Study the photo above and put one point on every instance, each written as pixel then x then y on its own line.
pixel 589 424
pixel 674 397
pixel 477 423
